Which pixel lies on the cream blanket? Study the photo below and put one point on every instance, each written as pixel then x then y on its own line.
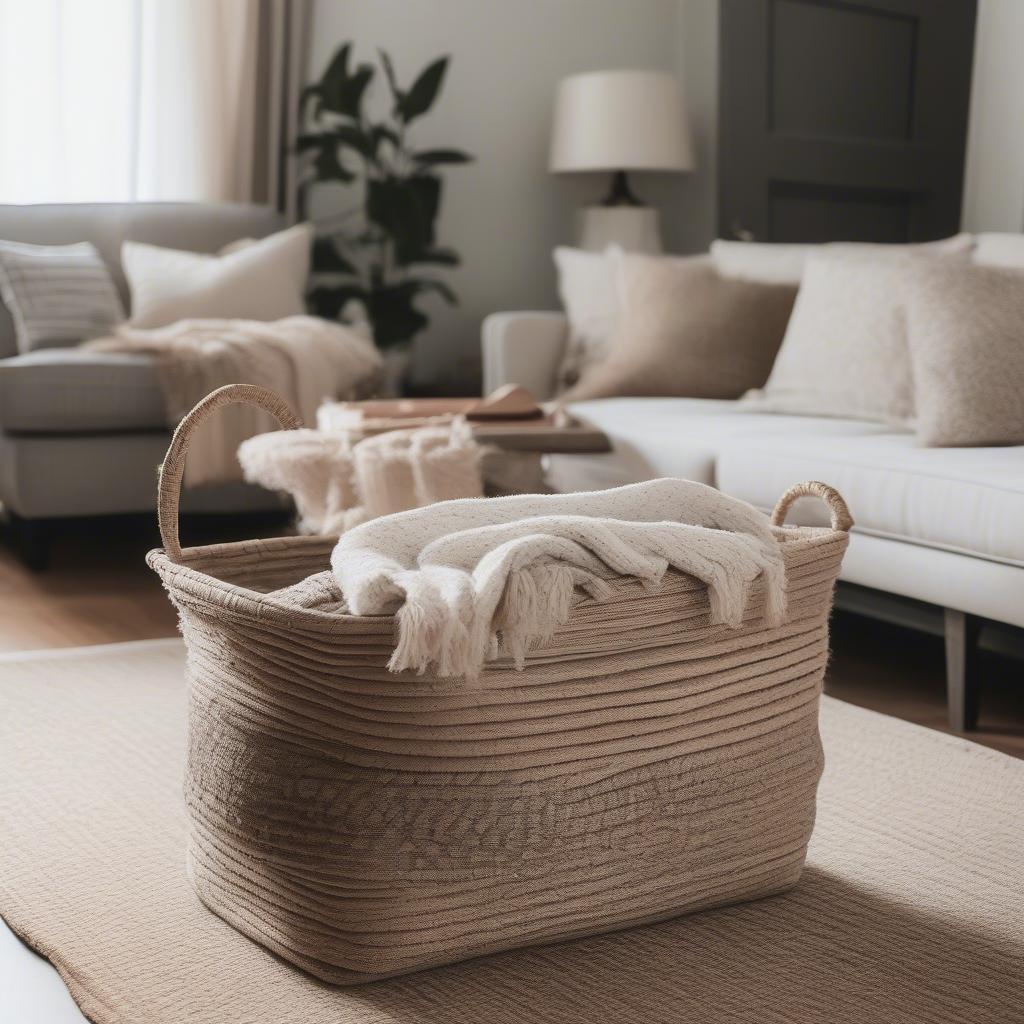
pixel 303 358
pixel 338 484
pixel 468 579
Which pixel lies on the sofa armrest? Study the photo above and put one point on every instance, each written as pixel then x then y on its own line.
pixel 525 349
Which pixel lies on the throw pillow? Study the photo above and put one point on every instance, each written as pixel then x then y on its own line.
pixel 683 329
pixel 966 333
pixel 784 263
pixel 57 294
pixel 586 288
pixel 845 352
pixel 265 280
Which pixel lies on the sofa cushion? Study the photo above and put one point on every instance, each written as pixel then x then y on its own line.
pixel 57 390
pixel 679 437
pixel 967 500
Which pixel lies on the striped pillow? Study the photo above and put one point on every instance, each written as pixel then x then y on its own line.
pixel 57 294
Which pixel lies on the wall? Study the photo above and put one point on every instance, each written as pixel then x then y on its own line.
pixel 505 212
pixel 994 175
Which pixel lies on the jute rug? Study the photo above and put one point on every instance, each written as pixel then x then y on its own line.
pixel 911 908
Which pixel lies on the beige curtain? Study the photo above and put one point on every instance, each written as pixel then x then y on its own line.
pixel 218 99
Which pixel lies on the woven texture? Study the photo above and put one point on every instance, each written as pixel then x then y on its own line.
pixel 362 823
pixel 646 761
pixel 910 909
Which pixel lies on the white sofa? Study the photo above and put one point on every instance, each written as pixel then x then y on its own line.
pixel 939 525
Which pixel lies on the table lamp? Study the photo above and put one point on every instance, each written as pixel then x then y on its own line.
pixel 620 121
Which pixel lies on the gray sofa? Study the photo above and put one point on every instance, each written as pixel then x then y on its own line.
pixel 82 433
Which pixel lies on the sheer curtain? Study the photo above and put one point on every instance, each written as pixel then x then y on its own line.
pixel 115 100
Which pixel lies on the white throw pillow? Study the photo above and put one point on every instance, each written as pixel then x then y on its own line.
pixel 845 352
pixel 997 249
pixel 784 262
pixel 586 285
pixel 265 280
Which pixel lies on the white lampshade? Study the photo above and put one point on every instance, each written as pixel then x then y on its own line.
pixel 621 121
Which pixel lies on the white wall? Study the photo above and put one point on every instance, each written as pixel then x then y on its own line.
pixel 994 174
pixel 505 212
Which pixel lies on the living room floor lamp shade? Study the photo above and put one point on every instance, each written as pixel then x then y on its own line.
pixel 620 121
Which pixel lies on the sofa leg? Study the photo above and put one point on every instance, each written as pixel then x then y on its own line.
pixel 32 542
pixel 962 669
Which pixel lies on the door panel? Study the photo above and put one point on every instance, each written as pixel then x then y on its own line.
pixel 843 120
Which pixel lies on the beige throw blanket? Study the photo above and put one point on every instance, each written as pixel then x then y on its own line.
pixel 470 578
pixel 338 484
pixel 303 358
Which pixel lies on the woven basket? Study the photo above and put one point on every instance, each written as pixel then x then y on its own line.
pixel 363 824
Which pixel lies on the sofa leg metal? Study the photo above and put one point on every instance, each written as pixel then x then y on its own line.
pixel 962 681
pixel 32 542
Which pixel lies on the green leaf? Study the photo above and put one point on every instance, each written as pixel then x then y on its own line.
pixel 329 302
pixel 354 137
pixel 425 284
pixel 441 256
pixel 337 68
pixel 329 168
pixel 394 317
pixel 347 97
pixel 405 209
pixel 389 72
pixel 328 259
pixel 433 157
pixel 420 98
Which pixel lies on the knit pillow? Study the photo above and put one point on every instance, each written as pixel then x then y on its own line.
pixel 586 287
pixel 845 352
pixel 966 331
pixel 685 330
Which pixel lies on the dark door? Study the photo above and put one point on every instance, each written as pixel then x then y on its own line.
pixel 843 120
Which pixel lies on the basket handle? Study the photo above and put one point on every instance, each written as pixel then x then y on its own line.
pixel 173 466
pixel 841 518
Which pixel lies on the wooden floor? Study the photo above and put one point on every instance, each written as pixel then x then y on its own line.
pixel 99 590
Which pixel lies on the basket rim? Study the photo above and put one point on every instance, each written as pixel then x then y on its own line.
pixel 245 602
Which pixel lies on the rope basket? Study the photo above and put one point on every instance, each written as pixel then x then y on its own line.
pixel 363 824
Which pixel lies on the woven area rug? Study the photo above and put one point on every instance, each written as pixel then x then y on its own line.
pixel 911 908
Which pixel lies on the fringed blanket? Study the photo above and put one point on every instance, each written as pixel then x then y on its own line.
pixel 303 358
pixel 468 579
pixel 337 484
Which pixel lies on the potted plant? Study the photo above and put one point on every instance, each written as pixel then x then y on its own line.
pixel 375 253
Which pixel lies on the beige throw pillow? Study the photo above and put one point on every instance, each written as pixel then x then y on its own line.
pixel 587 290
pixel 845 352
pixel 264 280
pixel 685 330
pixel 966 332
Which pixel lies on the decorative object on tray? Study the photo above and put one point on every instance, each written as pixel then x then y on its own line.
pixel 372 262
pixel 620 121
pixel 508 418
pixel 425 759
